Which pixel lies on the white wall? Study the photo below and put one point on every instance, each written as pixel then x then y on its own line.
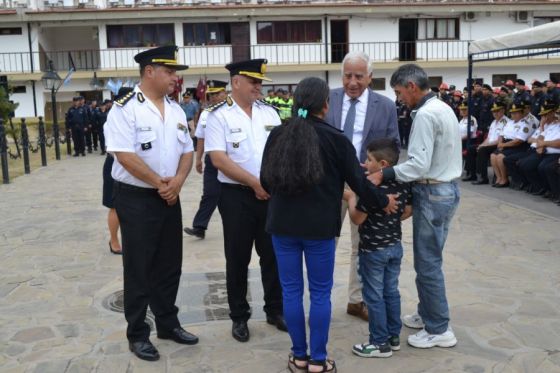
pixel 485 26
pixel 14 51
pixel 370 29
pixel 25 100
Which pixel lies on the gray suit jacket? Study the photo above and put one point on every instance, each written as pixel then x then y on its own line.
pixel 380 122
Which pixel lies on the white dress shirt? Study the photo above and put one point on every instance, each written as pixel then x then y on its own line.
pixel 463 127
pixel 361 110
pixel 201 125
pixel 229 129
pixel 138 127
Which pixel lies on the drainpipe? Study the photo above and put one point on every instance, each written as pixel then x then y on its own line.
pixel 326 49
pixel 32 68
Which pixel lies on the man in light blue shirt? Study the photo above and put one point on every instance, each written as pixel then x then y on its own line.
pixel 434 162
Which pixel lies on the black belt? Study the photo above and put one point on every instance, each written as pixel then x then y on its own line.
pixel 237 186
pixel 133 188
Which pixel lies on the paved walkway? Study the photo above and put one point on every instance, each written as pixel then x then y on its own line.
pixel 57 275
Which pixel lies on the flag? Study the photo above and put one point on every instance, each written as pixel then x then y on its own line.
pixel 71 70
pixel 201 89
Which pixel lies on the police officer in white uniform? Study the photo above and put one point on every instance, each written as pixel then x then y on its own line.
pixel 236 133
pixel 148 134
pixel 216 91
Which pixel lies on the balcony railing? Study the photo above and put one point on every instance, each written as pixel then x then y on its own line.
pixel 219 55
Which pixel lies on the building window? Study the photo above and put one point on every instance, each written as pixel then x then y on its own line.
pixel 19 89
pixel 499 80
pixel 377 84
pixel 149 35
pixel 289 32
pixel 438 29
pixel 10 31
pixel 206 33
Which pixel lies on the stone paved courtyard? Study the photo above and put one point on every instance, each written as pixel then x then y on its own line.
pixel 502 267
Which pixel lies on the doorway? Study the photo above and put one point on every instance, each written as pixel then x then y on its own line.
pixel 408 34
pixel 339 40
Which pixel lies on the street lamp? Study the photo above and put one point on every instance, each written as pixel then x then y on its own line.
pixel 52 82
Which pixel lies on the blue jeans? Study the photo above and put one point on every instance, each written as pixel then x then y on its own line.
pixel 433 207
pixel 380 277
pixel 319 259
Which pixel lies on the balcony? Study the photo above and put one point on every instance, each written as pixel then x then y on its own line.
pixel 219 55
pixel 102 4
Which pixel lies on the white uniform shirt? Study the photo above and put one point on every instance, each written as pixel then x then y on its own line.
pixel 463 125
pixel 137 127
pixel 360 120
pixel 518 130
pixel 231 130
pixel 535 135
pixel 551 133
pixel 496 129
pixel 201 125
pixel 533 121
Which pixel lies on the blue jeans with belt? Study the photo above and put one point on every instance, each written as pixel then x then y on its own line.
pixel 379 270
pixel 433 207
pixel 319 260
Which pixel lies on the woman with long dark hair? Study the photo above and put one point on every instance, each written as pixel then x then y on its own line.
pixel 304 167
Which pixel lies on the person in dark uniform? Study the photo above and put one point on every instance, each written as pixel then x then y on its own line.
pixel 405 123
pixel 521 91
pixel 148 181
pixel 476 98
pixel 88 125
pixel 216 91
pixel 485 116
pixel 100 119
pixel 537 98
pixel 76 120
pixel 93 111
pixel 236 133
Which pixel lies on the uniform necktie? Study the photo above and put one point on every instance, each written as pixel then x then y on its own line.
pixel 350 118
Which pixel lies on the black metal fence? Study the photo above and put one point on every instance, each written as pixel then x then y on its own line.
pixel 20 145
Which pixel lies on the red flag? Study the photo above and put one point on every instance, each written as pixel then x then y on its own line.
pixel 201 89
pixel 178 89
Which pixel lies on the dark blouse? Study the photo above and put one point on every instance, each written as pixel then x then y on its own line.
pixel 315 214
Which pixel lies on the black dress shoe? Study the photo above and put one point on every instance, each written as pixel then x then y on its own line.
pixel 278 321
pixel 501 185
pixel 145 350
pixel 481 182
pixel 469 178
pixel 240 331
pixel 538 192
pixel 197 232
pixel 179 335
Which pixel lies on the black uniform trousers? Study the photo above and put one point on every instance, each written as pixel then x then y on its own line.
pixel 153 253
pixel 478 160
pixel 101 139
pixel 87 135
pixel 211 188
pixel 95 135
pixel 78 138
pixel 244 219
pixel 512 162
pixel 539 169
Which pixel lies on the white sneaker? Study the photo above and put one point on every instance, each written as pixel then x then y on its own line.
pixel 423 339
pixel 413 321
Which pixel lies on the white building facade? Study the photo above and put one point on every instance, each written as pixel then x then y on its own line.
pixel 299 39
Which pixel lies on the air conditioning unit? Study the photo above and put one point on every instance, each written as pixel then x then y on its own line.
pixel 470 16
pixel 522 17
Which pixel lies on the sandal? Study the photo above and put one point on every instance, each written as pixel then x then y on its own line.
pixel 324 364
pixel 294 367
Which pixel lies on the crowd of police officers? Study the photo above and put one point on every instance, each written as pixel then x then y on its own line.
pixel 523 150
pixel 85 122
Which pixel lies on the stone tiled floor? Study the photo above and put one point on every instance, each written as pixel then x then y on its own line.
pixel 501 265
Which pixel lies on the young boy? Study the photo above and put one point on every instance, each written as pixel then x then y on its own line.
pixel 380 254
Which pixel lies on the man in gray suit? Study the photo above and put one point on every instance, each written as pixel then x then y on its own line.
pixel 363 115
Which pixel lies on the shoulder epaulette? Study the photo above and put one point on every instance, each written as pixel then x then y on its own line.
pixel 269 104
pixel 227 101
pixel 123 100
